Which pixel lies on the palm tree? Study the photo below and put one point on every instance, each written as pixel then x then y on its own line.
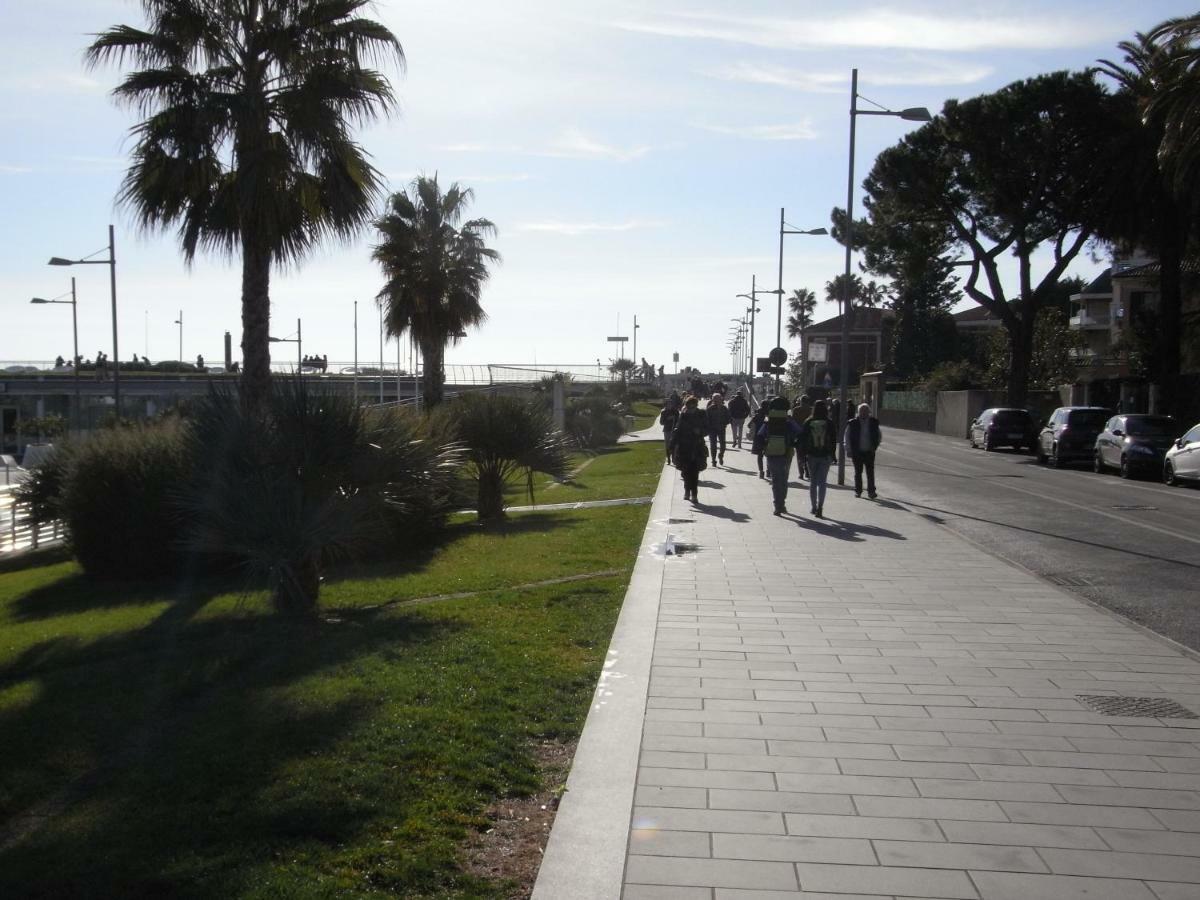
pixel 245 145
pixel 801 306
pixel 435 269
pixel 1175 101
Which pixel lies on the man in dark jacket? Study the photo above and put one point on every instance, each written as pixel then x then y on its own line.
pixel 667 419
pixel 717 414
pixel 861 439
pixel 779 434
pixel 739 409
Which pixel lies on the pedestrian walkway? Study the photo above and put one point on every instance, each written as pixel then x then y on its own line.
pixel 867 707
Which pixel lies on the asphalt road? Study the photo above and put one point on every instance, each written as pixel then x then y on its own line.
pixel 1131 546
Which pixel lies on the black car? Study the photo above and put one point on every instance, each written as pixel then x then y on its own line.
pixel 1070 434
pixel 1002 427
pixel 1135 443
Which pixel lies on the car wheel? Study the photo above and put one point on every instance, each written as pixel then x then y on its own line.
pixel 1098 463
pixel 1041 457
pixel 1169 474
pixel 1126 472
pixel 987 443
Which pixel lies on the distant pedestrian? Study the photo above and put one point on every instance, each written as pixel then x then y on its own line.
pixel 758 445
pixel 739 411
pixel 861 439
pixel 687 447
pixel 200 362
pixel 667 419
pixel 780 435
pixel 717 414
pixel 818 444
pixel 800 413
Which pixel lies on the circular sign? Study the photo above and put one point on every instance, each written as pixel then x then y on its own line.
pixel 778 356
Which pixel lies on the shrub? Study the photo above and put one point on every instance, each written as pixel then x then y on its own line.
pixel 309 478
pixel 592 422
pixel 504 437
pixel 116 498
pixel 952 376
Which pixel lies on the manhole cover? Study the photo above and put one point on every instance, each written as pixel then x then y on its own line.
pixel 1135 508
pixel 1068 580
pixel 1140 707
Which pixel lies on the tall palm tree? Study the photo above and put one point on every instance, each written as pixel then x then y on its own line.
pixel 245 145
pixel 1175 102
pixel 435 269
pixel 801 306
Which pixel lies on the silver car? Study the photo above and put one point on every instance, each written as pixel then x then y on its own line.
pixel 1183 460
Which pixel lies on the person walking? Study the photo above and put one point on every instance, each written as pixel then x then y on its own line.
pixel 861 439
pixel 687 446
pixel 758 445
pixel 667 419
pixel 818 443
pixel 800 413
pixel 780 434
pixel 739 410
pixel 717 414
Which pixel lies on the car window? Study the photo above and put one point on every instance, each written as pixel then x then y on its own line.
pixel 1087 418
pixel 1017 418
pixel 1151 426
pixel 1192 436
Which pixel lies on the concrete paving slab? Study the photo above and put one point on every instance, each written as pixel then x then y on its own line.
pixel 868 705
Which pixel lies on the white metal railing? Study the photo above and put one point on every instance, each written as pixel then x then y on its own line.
pixel 17 532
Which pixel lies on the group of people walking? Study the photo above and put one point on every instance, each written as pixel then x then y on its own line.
pixel 779 432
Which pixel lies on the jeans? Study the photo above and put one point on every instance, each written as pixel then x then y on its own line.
pixel 864 460
pixel 691 477
pixel 801 464
pixel 738 425
pixel 818 472
pixel 780 468
pixel 715 437
pixel 667 443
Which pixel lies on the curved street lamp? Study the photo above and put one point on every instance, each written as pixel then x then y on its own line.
pixel 38 301
pixel 111 262
pixel 912 114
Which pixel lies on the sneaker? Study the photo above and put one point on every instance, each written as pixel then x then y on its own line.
pixel 820 512
pixel 779 510
pixel 721 461
pixel 858 493
pixel 873 495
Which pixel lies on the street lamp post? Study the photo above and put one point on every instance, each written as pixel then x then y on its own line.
pixel 753 298
pixel 912 114
pixel 111 262
pixel 355 351
pixel 179 322
pixel 298 340
pixel 75 340
pixel 784 229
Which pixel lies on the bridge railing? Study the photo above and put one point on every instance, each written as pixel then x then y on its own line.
pixel 17 531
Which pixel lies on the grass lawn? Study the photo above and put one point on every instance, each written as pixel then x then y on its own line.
pixel 613 473
pixel 199 747
pixel 645 413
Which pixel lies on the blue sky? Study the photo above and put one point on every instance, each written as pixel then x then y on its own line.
pixel 633 155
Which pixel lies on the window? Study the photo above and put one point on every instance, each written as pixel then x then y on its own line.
pixel 1192 436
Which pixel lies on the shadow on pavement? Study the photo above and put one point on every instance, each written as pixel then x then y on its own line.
pixel 711 484
pixel 722 512
pixel 844 531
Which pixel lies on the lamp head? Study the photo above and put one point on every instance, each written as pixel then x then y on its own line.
pixel 916 114
pixel 275 340
pixel 59 261
pixel 818 231
pixel 38 300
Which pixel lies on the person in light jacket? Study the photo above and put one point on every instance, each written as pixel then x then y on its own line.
pixel 861 439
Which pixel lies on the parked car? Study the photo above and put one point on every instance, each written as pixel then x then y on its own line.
pixel 1070 434
pixel 1002 427
pixel 1182 461
pixel 1134 443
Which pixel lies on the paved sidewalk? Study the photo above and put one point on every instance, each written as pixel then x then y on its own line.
pixel 869 706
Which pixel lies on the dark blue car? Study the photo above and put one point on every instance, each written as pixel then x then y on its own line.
pixel 1135 444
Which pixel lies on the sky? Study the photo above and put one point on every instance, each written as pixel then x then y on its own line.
pixel 633 155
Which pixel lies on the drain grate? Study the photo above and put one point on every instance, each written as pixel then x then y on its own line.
pixel 1068 580
pixel 1139 707
pixel 1136 508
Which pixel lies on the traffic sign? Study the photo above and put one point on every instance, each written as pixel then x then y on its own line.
pixel 778 356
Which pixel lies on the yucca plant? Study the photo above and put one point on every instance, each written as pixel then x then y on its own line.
pixel 309 478
pixel 505 437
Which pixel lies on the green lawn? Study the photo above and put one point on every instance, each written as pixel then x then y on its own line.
pixel 627 470
pixel 645 413
pixel 201 748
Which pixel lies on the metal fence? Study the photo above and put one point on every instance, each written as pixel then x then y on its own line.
pixel 17 532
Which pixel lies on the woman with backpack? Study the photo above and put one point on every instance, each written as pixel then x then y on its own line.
pixel 758 445
pixel 780 435
pixel 818 445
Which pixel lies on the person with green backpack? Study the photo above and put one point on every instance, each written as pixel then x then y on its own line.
pixel 779 436
pixel 818 448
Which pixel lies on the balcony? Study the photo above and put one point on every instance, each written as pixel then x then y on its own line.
pixel 1088 320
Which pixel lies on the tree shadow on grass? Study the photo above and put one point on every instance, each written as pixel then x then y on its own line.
pixel 173 748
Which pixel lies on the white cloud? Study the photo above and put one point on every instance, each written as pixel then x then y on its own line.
pixel 574 144
pixel 53 83
pixel 13 170
pixel 576 228
pixel 799 131
pixel 923 73
pixel 883 28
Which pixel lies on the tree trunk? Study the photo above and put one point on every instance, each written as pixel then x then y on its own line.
pixel 297 589
pixel 433 379
pixel 1170 304
pixel 256 322
pixel 1020 344
pixel 490 504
